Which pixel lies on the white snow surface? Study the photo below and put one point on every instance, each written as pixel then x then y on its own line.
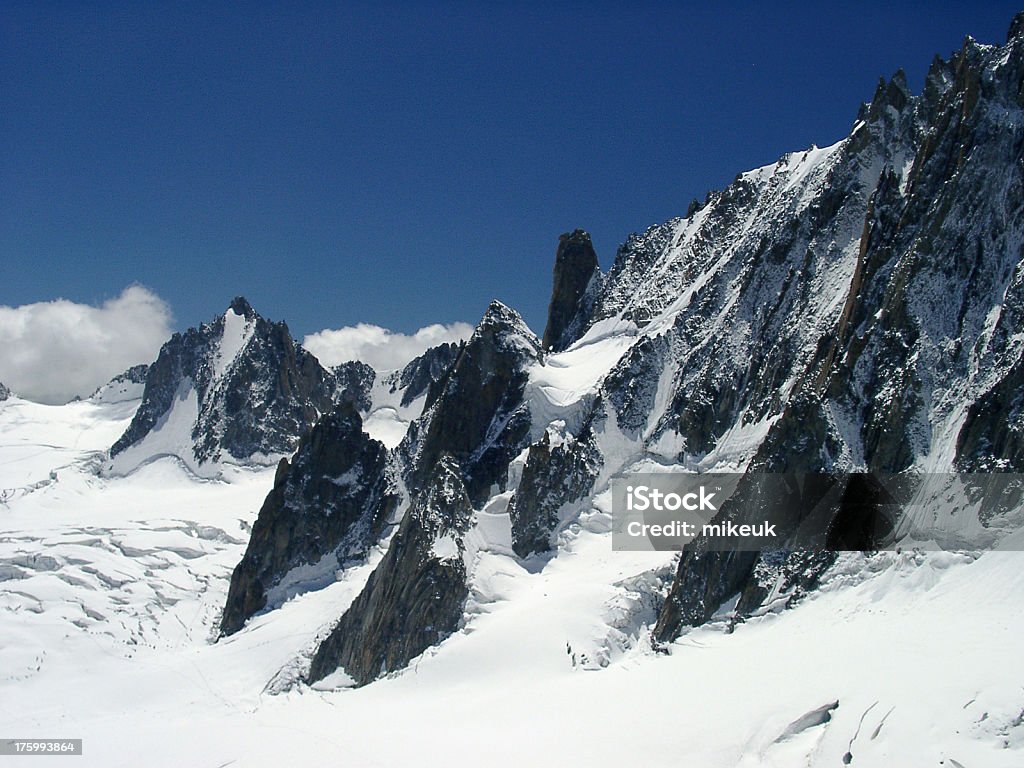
pixel 122 391
pixel 111 588
pixel 170 437
pixel 237 332
pixel 563 378
pixel 388 420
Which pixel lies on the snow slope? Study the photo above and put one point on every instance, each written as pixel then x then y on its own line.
pixel 387 419
pixel 110 590
pixel 171 436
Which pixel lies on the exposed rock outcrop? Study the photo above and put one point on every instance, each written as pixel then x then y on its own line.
pixel 415 597
pixel 329 504
pixel 992 437
pixel 575 288
pixel 560 470
pixel 423 372
pixel 476 413
pixel 353 382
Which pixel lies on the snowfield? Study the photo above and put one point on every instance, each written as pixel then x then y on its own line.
pixel 110 592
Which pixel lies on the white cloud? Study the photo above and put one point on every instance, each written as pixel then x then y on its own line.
pixel 379 347
pixel 54 350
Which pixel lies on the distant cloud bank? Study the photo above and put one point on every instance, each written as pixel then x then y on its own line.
pixel 55 350
pixel 379 347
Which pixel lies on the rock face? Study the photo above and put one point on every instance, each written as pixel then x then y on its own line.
pixel 476 413
pixel 4 392
pixel 992 437
pixel 706 577
pixel 422 373
pixel 917 367
pixel 414 599
pixel 577 283
pixel 238 388
pixel 333 499
pixel 329 504
pixel 354 383
pixel 560 470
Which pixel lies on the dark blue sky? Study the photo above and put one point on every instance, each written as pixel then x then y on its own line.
pixel 403 166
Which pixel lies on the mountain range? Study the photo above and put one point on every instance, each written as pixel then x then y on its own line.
pixel 854 309
pixel 848 311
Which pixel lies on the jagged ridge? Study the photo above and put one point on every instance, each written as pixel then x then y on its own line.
pixel 855 307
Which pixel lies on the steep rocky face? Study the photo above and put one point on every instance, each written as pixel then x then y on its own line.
pixel 880 273
pixel 918 366
pixel 415 597
pixel 238 388
pixel 423 372
pixel 354 383
pixel 476 413
pixel 4 392
pixel 634 259
pixel 706 577
pixel 576 285
pixel 992 437
pixel 931 326
pixel 560 471
pixel 329 504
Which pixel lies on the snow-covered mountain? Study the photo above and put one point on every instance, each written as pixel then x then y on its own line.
pixel 329 504
pixel 434 549
pixel 236 389
pixel 854 308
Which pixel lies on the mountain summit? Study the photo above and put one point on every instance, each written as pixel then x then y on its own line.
pixel 576 284
pixel 236 389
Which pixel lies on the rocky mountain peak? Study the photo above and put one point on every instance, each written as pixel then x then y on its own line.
pixel 241 307
pixel 500 321
pixel 1016 31
pixel 940 76
pixel 477 414
pixel 892 93
pixel 354 382
pixel 329 503
pixel 504 331
pixel 576 281
pixel 238 388
pixel 420 374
